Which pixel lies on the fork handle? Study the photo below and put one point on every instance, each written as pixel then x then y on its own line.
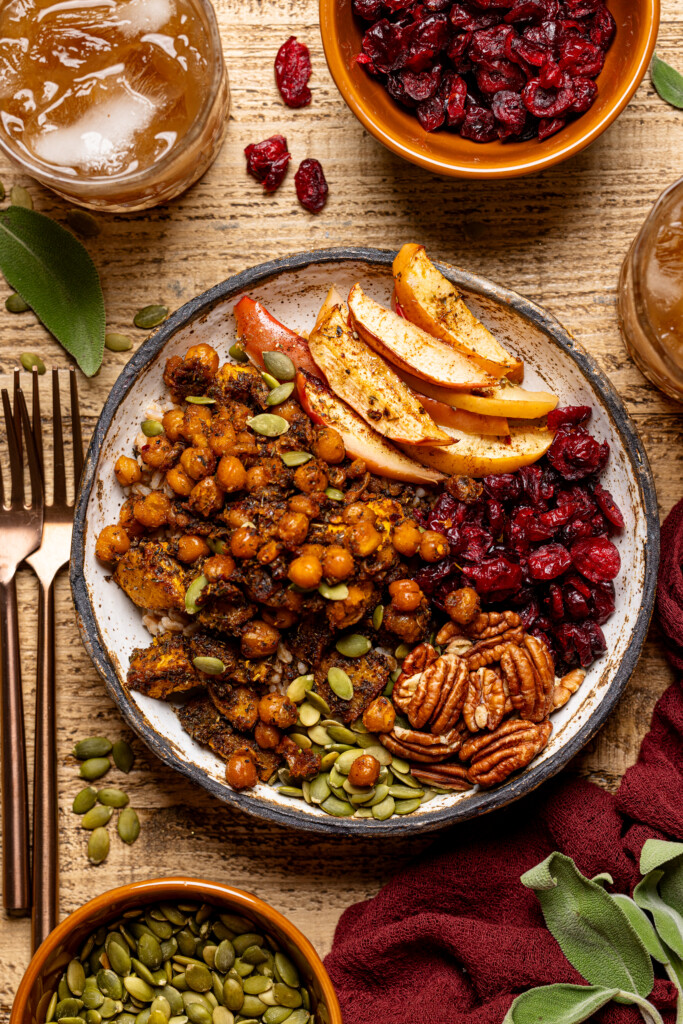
pixel 45 828
pixel 15 862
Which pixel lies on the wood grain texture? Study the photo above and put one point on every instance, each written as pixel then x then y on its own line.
pixel 558 238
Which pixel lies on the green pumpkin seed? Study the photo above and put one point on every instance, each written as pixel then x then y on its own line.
pixel 401 652
pixel 218 547
pixel 400 766
pixel 68 1007
pixel 30 361
pixel 93 1017
pixel 198 977
pixel 83 223
pixel 98 845
pixel 169 948
pixel 267 424
pixel 72 1020
pixel 112 797
pixel 179 1018
pixel 276 1015
pixel 119 958
pixel 328 759
pixel 381 794
pixel 340 683
pixel 233 994
pixel 200 400
pixel 359 799
pixel 84 800
pixel 280 365
pixel 345 760
pixel 117 342
pixel 253 1007
pixel 319 735
pixel 109 983
pixel 18 196
pixel 149 952
pixel 193 591
pixel 378 616
pixel 286 971
pixel 123 756
pixel 291 791
pixel 308 715
pixel 287 996
pixel 92 997
pixel 151 428
pixel 318 702
pixel 407 806
pixel 110 1007
pixel 384 809
pixel 225 956
pixel 63 990
pixel 139 989
pixel 270 380
pixel 237 353
pixel 280 394
pixel 353 645
pixel 150 316
pixel 296 691
pixel 339 592
pixel 257 984
pixel 96 817
pixel 143 1017
pixel 221 1015
pixel 380 753
pixel 334 494
pixel 186 942
pixel 94 746
pixel 198 1014
pixel 306 790
pixel 158 926
pixel 142 971
pixel 173 998
pixel 336 807
pixel 52 1005
pixel 340 734
pixel 15 304
pixel 301 740
pixel 128 825
pixel 406 781
pixel 301 1016
pixel 210 666
pixel 295 458
pixel 247 939
pixel 157 1017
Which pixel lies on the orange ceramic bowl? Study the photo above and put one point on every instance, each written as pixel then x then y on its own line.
pixel 445 152
pixel 67 938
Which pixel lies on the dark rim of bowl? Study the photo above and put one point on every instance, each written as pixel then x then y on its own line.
pixel 481 802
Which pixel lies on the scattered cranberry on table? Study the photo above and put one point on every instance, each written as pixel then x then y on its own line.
pixel 311 186
pixel 267 161
pixel 292 72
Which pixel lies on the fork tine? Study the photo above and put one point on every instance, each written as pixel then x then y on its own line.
pixel 31 455
pixel 76 433
pixel 2 491
pixel 17 414
pixel 59 491
pixel 16 468
pixel 35 417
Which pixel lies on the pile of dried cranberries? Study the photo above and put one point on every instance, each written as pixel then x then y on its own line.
pixel 489 69
pixel 537 540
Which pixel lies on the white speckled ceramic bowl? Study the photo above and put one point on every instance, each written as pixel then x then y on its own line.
pixel 293 289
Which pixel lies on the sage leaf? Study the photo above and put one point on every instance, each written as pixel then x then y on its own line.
pixel 667 81
pixel 590 928
pixel 668 921
pixel 54 274
pixel 558 1004
pixel 604 879
pixel 642 926
pixel 658 852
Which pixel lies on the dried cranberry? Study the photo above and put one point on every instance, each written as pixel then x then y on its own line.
pixel 580 642
pixel 460 17
pixel 457 47
pixel 585 91
pixel 454 94
pixel 575 603
pixel 429 578
pixel 603 28
pixel 504 486
pixel 367 9
pixel 421 85
pixel 603 602
pixel 577 455
pixel 537 483
pixel 546 103
pixel 508 108
pixel 479 125
pixel 500 74
pixel 488 45
pixel 431 114
pixel 549 561
pixel 495 515
pixel 583 8
pixel 494 575
pixel 569 416
pixel 528 613
pixel 430 37
pixel 596 558
pixel 548 126
pixel 474 543
pixel 609 506
pixel 292 72
pixel 533 10
pixel 581 58
pixel 396 89
pixel 555 602
pixel 311 187
pixel 386 45
pixel 267 161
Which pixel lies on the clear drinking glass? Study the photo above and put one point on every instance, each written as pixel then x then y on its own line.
pixel 159 165
pixel 650 298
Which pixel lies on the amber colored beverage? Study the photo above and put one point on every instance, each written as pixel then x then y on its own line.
pixel 114 103
pixel 651 294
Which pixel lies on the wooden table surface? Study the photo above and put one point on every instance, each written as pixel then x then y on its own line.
pixel 558 238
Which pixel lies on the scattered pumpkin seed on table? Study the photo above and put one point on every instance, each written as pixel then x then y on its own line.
pixel 96 817
pixel 29 360
pixel 128 825
pixel 15 304
pixel 94 768
pixel 19 196
pixel 150 316
pixel 93 746
pixel 98 845
pixel 123 756
pixel 84 800
pixel 117 342
pixel 111 797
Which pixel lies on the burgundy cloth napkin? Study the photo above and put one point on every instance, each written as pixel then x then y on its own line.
pixel 453 938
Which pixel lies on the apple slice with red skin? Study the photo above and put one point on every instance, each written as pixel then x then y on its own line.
pixel 459 419
pixel 360 440
pixel 260 332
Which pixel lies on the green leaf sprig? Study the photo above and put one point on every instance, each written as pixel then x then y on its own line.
pixel 667 81
pixel 52 271
pixel 609 938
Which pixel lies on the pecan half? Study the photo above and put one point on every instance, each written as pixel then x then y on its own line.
pixel 487 700
pixel 566 686
pixel 419 659
pixel 423 695
pixel 452 695
pixel 495 755
pixel 493 624
pixel 421 746
pixel 530 676
pixel 444 776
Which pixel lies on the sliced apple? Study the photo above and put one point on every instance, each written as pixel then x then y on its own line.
pixel 502 400
pixel 260 332
pixel 411 348
pixel 479 456
pixel 432 302
pixel 459 419
pixel 360 440
pixel 332 299
pixel 363 380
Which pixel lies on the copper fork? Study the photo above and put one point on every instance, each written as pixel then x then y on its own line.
pixel 51 556
pixel 22 527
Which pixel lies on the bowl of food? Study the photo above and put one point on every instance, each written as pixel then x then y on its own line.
pixel 364 543
pixel 176 947
pixel 488 90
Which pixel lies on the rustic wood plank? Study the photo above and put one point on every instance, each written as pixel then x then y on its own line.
pixel 559 238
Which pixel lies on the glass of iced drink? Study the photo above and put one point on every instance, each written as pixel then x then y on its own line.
pixel 115 104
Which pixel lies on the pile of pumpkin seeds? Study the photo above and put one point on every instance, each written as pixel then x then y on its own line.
pixel 181 963
pixel 96 806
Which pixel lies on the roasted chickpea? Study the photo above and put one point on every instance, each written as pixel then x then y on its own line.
pixel 337 563
pixel 112 542
pixel 276 709
pixel 257 478
pixel 198 462
pixel 231 474
pixel 245 543
pixel 178 480
pixel 268 552
pixel 218 567
pixel 292 529
pixel 127 518
pixel 204 354
pixel 127 471
pixel 358 512
pixel 363 539
pixel 156 451
pixel 405 595
pixel 196 424
pixel 222 435
pixel 258 639
pixel 240 771
pixel 433 546
pixel 153 510
pixel 172 422
pixel 206 497
pixel 191 547
pixel 290 410
pixel 317 550
pixel 406 538
pixel 364 771
pixel 463 605
pixel 306 505
pixel 356 469
pixel 236 517
pixel 380 715
pixel 267 736
pixel 281 618
pixel 306 572
pixel 329 445
pixel 311 477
